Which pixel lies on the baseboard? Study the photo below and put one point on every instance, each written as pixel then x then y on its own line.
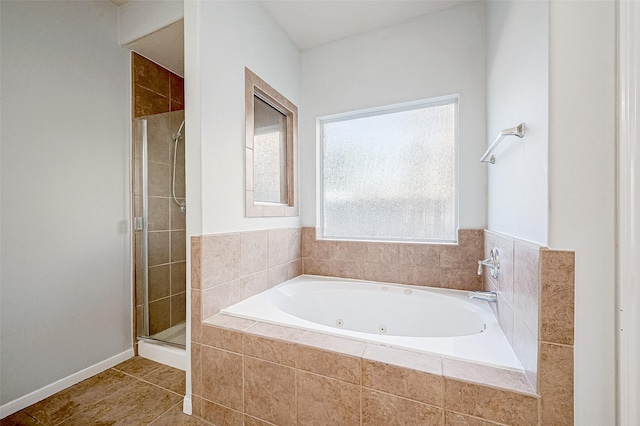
pixel 186 406
pixel 46 391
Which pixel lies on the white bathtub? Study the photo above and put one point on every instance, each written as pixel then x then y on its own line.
pixel 430 320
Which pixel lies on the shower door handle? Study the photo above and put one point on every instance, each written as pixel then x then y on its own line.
pixel 138 223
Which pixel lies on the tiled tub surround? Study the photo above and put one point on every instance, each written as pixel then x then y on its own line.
pixel 260 374
pixel 536 312
pixel 268 374
pixel 227 268
pixel 433 265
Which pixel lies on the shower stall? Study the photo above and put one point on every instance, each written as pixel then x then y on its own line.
pixel 159 207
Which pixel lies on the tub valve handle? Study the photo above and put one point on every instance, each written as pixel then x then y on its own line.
pixel 493 262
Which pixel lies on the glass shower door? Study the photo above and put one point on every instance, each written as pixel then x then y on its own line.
pixel 159 222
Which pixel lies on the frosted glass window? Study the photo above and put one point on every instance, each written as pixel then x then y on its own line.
pixel 269 154
pixel 390 175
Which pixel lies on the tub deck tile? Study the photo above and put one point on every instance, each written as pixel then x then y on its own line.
pixel 404 358
pixel 491 376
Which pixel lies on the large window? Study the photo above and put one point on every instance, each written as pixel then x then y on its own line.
pixel 390 174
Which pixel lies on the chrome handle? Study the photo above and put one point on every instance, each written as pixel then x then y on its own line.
pixel 493 262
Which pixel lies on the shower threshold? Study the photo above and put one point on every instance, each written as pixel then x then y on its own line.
pixel 166 347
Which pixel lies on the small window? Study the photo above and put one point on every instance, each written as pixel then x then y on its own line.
pixel 390 174
pixel 270 150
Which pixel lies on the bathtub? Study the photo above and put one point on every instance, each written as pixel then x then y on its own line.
pixel 437 321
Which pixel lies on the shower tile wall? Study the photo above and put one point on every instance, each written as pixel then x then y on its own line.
pixel 156 92
pixel 155 89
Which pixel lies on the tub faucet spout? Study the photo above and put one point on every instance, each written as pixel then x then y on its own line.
pixel 489 296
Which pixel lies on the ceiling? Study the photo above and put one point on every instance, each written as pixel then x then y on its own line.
pixel 309 23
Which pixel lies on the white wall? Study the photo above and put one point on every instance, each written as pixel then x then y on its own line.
pixel 234 35
pixel 582 148
pixel 65 267
pixel 518 91
pixel 435 55
pixel 138 18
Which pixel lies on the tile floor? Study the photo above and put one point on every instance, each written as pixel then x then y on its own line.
pixel 135 392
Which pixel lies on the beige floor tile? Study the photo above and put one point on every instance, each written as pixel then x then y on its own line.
pixel 78 397
pixel 169 378
pixel 137 404
pixel 137 367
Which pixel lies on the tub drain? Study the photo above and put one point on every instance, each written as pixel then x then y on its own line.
pixel 382 329
pixel 339 323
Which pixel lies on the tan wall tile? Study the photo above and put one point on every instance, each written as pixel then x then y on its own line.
pixel 220 259
pixel 254 284
pixel 219 415
pixel 272 350
pixel 381 252
pixel 525 346
pixel 316 267
pixel 253 252
pixel 330 364
pixel 380 272
pixel 419 254
pixel 556 384
pixel 345 269
pixel 348 251
pixel 424 275
pixel 404 382
pixel 195 262
pixel 294 269
pixel 178 219
pixel 222 377
pixel 277 251
pixel 222 338
pixel 466 253
pixel 504 244
pixel 269 392
pixel 196 314
pixel 491 404
pixel 506 317
pixel 312 248
pixel 325 401
pixel 277 274
pixel 196 368
pixel 383 409
pixel 219 297
pixel 557 296
pixel 526 289
pixel 461 278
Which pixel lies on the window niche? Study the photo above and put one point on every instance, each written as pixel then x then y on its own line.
pixel 271 122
